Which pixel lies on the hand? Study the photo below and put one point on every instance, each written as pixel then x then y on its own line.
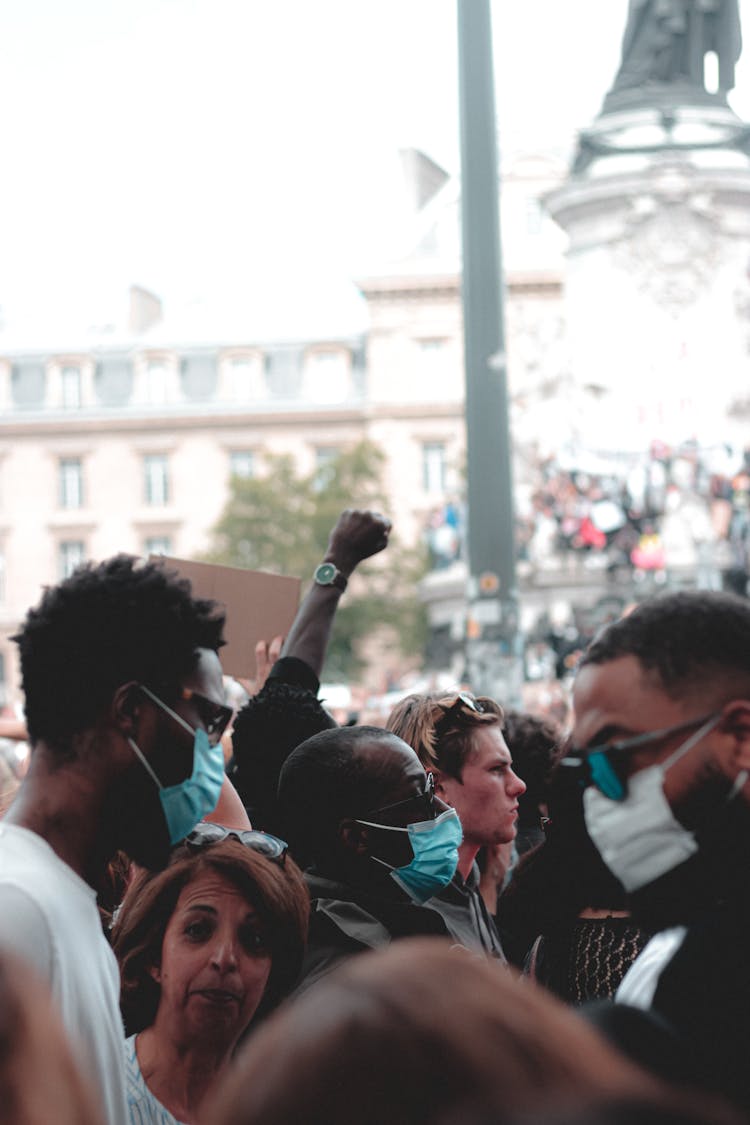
pixel 266 656
pixel 357 535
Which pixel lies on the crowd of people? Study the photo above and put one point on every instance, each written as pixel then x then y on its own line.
pixel 640 517
pixel 470 914
pixel 636 516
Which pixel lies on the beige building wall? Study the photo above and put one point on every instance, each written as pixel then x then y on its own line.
pixel 398 382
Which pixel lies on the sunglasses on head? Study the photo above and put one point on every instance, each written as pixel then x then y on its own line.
pixel 462 707
pixel 206 833
pixel 215 717
pixel 463 702
pixel 461 710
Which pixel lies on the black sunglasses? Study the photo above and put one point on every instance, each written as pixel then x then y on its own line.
pixel 424 800
pixel 215 717
pixel 206 833
pixel 457 710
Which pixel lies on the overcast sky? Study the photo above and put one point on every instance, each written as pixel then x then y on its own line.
pixel 186 144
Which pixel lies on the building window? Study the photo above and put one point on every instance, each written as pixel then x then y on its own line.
pixel 71 553
pixel 433 468
pixel 325 456
pixel 432 363
pixel 283 368
pixel 29 383
pixel 242 463
pixel 156 479
pixel 157 545
pixel 198 377
pixel 71 483
pixel 70 378
pixel 242 377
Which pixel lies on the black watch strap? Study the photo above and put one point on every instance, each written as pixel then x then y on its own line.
pixel 328 574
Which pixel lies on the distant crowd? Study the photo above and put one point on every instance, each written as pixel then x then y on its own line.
pixel 674 509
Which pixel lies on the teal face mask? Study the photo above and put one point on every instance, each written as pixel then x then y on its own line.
pixel 435 845
pixel 190 800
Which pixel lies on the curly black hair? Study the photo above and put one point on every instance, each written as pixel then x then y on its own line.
pixel 686 638
pixel 108 624
pixel 266 731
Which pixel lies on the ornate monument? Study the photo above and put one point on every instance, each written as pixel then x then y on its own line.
pixel 657 210
pixel 664 49
pixel 662 73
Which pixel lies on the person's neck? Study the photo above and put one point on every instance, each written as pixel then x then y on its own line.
pixel 180 1075
pixel 364 875
pixel 63 804
pixel 467 853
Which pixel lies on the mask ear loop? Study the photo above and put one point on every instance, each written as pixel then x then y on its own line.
pixel 742 777
pixel 144 762
pixel 165 707
pixel 739 784
pixel 386 827
pixel 692 741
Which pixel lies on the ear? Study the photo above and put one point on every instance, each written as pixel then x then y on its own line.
pixel 155 972
pixel 444 786
pixel 736 723
pixel 126 705
pixel 353 837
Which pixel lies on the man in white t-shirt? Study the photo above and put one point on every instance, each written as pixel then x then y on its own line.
pixel 125 709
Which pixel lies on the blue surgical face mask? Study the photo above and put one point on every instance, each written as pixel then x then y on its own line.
pixel 190 800
pixel 435 846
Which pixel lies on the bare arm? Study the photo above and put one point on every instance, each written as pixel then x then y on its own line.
pixel 229 810
pixel 13 728
pixel 357 535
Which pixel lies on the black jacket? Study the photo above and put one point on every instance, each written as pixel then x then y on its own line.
pixel 346 920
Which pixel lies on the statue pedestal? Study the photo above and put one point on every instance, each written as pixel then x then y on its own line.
pixel 657 210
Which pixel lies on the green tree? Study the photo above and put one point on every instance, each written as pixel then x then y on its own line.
pixel 280 522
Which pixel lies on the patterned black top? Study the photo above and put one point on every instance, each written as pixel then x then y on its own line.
pixel 587 959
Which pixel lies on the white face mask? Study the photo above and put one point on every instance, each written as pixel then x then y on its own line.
pixel 639 838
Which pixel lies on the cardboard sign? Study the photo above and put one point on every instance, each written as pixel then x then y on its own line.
pixel 259 606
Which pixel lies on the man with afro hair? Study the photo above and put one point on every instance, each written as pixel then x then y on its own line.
pixel 124 708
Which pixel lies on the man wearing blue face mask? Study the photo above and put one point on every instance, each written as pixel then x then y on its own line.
pixel 379 848
pixel 124 708
pixel 662 743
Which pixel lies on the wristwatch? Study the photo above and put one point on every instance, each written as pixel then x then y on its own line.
pixel 327 574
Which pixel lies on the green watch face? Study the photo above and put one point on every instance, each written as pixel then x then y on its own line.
pixel 325 574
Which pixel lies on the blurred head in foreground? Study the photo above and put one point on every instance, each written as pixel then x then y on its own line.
pixel 414 1032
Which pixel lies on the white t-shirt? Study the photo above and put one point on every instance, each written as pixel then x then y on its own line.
pixel 48 916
